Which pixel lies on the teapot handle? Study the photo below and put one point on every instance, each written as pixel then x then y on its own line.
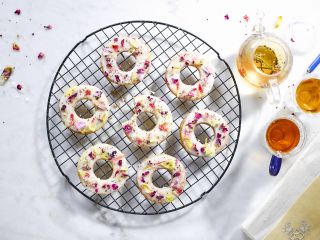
pixel 273 92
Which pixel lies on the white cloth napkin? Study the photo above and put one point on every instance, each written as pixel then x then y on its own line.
pixel 290 187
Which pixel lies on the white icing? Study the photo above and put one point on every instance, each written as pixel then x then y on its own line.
pixel 119 169
pixel 162 113
pixel 192 144
pixel 83 125
pixel 164 194
pixel 109 64
pixel 189 92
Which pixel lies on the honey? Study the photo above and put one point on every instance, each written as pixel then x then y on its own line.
pixel 308 95
pixel 282 135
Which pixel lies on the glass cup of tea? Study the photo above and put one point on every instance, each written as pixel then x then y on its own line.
pixel 284 137
pixel 264 61
pixel 307 95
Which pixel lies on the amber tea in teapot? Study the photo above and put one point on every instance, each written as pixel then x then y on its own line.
pixel 264 60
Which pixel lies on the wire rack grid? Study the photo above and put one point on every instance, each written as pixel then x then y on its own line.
pixel 81 66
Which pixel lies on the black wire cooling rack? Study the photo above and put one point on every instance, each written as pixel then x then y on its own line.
pixel 82 66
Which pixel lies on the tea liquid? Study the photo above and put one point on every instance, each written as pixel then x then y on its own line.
pixel 308 95
pixel 282 135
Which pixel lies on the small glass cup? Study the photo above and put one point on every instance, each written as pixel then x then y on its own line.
pixel 277 156
pixel 307 90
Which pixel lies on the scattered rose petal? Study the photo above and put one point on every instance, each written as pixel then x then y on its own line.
pixel 198 115
pixel 163 127
pixel 152 105
pixel 177 174
pixel 18 12
pixel 19 87
pixel 140 71
pixel 127 128
pixel 175 80
pixel 226 17
pixel 152 194
pixel 40 55
pixel 15 47
pixel 92 155
pixel 246 18
pixel 146 64
pixel 48 27
pixel 292 40
pixel 278 22
pixel 5 75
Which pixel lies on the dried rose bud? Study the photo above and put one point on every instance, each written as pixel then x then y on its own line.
pixel 19 87
pixel 40 55
pixel 226 17
pixel 15 47
pixel 18 12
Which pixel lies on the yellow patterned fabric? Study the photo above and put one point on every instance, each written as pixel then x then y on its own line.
pixel 302 221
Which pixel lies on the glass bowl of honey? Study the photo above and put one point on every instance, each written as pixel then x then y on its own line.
pixel 284 137
pixel 307 95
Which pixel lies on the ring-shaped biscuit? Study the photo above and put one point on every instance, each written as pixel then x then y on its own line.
pixel 114 157
pixel 109 65
pixel 184 91
pixel 70 118
pixel 162 113
pixel 192 144
pixel 163 194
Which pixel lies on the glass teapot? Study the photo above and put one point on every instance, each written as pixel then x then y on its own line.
pixel 264 60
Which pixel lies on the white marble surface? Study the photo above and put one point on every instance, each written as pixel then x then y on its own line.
pixel 36 201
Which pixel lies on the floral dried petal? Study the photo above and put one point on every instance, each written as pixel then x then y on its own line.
pixel 278 22
pixel 19 87
pixel 40 55
pixel 140 71
pixel 198 115
pixel 6 73
pixel 226 17
pixel 246 18
pixel 18 12
pixel 127 128
pixel 292 40
pixel 15 47
pixel 48 27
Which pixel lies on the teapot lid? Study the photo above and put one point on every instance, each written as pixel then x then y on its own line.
pixel 259 27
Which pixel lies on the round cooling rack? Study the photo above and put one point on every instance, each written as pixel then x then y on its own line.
pixel 82 66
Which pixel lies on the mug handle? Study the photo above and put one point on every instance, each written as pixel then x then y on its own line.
pixel 273 91
pixel 275 165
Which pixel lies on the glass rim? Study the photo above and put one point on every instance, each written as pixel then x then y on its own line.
pixel 302 139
